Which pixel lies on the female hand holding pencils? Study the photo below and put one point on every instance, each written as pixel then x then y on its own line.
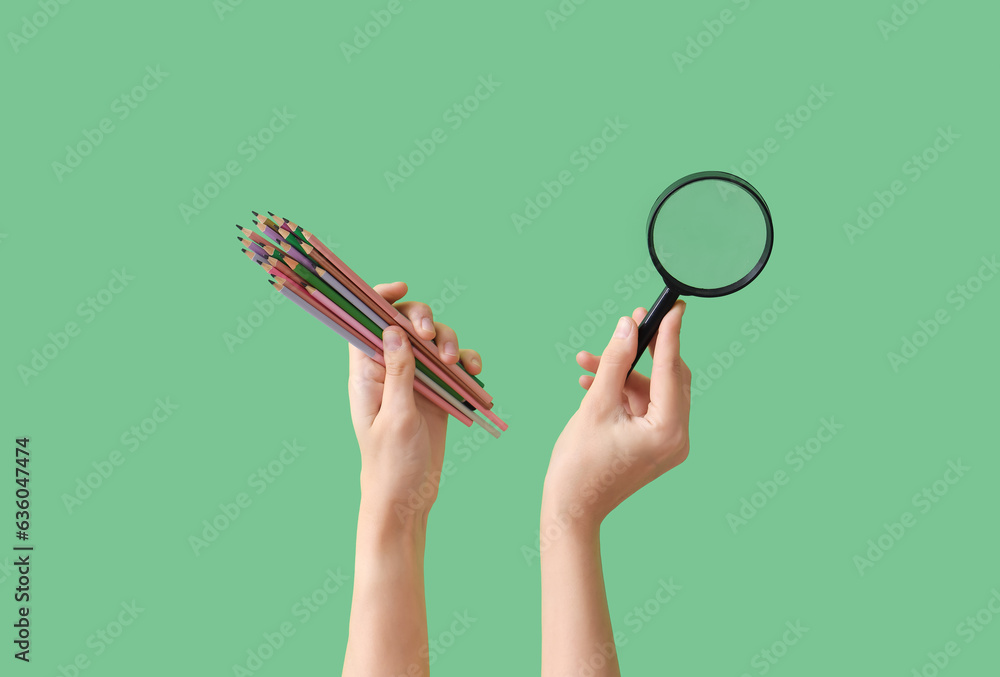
pixel 402 439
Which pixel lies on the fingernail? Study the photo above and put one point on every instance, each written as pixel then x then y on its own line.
pixel 450 349
pixel 623 329
pixel 392 341
pixel 476 362
pixel 427 325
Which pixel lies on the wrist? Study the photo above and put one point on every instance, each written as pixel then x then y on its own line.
pixel 390 525
pixel 562 516
pixel 399 489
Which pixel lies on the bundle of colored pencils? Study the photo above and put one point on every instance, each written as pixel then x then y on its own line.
pixel 314 278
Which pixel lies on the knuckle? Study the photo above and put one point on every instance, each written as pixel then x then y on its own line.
pixel 593 405
pixel 396 367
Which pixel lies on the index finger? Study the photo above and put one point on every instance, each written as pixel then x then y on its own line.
pixel 666 386
pixel 391 291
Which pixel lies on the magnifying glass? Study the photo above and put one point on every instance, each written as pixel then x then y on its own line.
pixel 713 230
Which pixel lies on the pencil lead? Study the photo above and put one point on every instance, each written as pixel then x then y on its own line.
pixel 254 213
pixel 243 250
pixel 271 213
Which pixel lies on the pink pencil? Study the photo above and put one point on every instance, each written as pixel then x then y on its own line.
pixel 365 347
pixel 393 312
pixel 377 342
pixel 300 291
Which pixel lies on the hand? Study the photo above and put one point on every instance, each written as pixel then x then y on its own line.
pixel 626 433
pixel 400 432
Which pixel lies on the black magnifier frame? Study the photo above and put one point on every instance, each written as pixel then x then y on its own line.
pixel 674 287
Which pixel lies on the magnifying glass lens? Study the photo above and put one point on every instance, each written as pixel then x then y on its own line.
pixel 709 234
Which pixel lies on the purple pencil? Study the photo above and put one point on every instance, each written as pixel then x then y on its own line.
pixel 254 247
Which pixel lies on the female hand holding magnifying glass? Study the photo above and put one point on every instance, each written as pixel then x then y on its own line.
pixel 715 229
pixel 628 431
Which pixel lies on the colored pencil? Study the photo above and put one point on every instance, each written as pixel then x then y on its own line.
pixel 473 384
pixel 375 353
pixel 304 269
pixel 377 341
pixel 259 239
pixel 427 348
pixel 253 246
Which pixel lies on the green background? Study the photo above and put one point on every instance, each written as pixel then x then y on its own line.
pixel 523 293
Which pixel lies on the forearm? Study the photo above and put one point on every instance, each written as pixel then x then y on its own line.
pixel 576 624
pixel 388 626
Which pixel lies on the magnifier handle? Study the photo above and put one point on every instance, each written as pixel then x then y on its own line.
pixel 650 323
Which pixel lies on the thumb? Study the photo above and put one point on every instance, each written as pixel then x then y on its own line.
pixel 609 381
pixel 397 394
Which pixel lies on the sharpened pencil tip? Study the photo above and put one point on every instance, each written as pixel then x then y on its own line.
pixel 271 213
pixel 254 213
